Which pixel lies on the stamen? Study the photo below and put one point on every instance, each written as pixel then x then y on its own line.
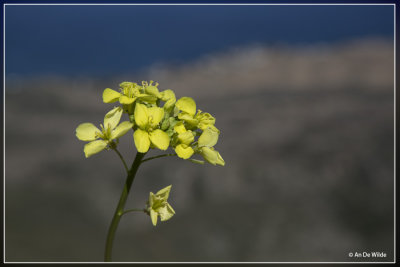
pixel 109 130
pixel 151 121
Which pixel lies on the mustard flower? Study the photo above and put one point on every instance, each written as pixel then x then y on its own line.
pixel 201 120
pixel 109 131
pixel 148 120
pixel 157 205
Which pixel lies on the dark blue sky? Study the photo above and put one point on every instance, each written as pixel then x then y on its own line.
pixel 108 40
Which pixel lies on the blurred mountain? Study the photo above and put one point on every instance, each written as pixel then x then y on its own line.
pixel 307 135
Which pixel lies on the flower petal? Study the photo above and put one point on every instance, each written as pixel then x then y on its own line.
pixel 126 100
pixel 110 95
pixel 205 120
pixel 94 147
pixel 166 212
pixel 142 141
pixel 164 193
pixel 220 160
pixel 151 199
pixel 153 216
pixel 160 139
pixel 141 115
pixel 142 95
pixel 152 90
pixel 87 132
pixel 169 105
pixel 180 128
pixel 186 104
pixel 156 114
pixel 186 137
pixel 170 208
pixel 209 154
pixel 208 138
pixel 167 95
pixel 214 128
pixel 212 156
pixel 112 118
pixel 148 98
pixel 121 129
pixel 188 118
pixel 184 151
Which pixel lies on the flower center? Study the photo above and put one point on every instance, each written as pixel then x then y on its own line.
pixel 151 126
pixel 158 203
pixel 105 132
pixel 130 91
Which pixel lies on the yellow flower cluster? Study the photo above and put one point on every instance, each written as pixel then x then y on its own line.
pixel 158 121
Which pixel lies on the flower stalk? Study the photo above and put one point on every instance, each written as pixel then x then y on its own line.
pixel 119 211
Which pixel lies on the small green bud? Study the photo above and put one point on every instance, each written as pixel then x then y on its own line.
pixel 165 125
pixel 132 118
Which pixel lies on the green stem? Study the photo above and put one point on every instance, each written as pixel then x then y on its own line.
pixel 159 156
pixel 121 204
pixel 132 210
pixel 122 159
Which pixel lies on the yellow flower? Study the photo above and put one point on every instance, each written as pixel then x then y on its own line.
pixel 110 131
pixel 184 137
pixel 206 141
pixel 148 120
pixel 130 92
pixel 201 120
pixel 157 205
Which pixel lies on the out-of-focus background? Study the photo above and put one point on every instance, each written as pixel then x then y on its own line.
pixel 304 99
